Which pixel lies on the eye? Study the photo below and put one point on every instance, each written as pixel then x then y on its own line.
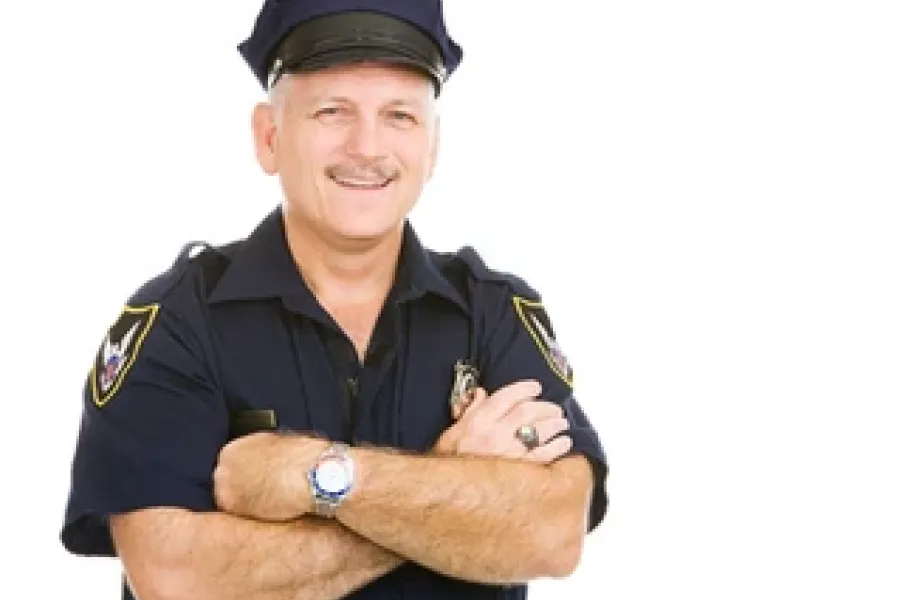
pixel 402 116
pixel 329 111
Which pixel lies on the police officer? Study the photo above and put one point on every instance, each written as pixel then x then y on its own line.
pixel 326 408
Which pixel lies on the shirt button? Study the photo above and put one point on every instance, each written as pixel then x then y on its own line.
pixel 353 386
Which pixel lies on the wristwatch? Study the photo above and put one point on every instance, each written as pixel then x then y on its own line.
pixel 331 479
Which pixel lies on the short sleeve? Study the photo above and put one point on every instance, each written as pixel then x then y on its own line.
pixel 152 425
pixel 521 344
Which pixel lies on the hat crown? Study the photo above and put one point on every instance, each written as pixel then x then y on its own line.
pixel 278 18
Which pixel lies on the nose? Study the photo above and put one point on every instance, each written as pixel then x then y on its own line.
pixel 365 139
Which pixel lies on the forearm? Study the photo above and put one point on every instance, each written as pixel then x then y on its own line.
pixel 217 556
pixel 489 520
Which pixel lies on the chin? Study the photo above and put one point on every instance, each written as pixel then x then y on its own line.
pixel 370 233
pixel 364 229
pixel 366 220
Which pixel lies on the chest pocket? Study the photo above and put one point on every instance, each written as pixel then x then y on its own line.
pixel 437 336
pixel 260 373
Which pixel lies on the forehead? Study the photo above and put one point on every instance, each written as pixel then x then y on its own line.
pixel 363 82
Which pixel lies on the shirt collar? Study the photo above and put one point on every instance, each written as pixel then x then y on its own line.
pixel 263 268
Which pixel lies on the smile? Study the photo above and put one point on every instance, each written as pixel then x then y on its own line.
pixel 361 184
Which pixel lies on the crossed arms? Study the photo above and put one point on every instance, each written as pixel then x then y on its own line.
pixel 478 507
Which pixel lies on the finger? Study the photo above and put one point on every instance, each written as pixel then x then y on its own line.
pixel 475 397
pixel 548 429
pixel 500 402
pixel 551 451
pixel 531 411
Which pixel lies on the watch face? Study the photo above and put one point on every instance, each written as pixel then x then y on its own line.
pixel 332 477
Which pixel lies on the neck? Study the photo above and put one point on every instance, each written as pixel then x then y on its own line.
pixel 341 273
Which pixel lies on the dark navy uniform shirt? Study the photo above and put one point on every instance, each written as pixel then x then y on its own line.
pixel 229 338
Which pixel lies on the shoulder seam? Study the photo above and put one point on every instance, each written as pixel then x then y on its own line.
pixel 169 279
pixel 480 272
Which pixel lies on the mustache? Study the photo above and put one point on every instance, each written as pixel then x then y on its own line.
pixel 374 170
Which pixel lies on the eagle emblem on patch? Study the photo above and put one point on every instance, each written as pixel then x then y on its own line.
pixel 536 321
pixel 119 350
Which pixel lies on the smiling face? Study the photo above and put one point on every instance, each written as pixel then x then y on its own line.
pixel 352 145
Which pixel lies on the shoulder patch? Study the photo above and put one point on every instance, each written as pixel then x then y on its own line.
pixel 537 323
pixel 119 350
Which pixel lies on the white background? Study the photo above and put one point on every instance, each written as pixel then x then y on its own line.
pixel 705 193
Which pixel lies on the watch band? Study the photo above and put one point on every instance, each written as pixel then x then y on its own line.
pixel 324 508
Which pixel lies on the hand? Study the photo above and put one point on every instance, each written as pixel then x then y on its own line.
pixel 488 425
pixel 263 476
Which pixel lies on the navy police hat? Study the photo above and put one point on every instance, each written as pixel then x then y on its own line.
pixel 302 35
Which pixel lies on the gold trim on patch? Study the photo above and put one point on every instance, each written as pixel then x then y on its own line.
pixel 103 400
pixel 522 306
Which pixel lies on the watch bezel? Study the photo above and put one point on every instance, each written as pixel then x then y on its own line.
pixel 325 501
pixel 346 470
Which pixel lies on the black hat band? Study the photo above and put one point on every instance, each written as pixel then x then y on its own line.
pixel 343 37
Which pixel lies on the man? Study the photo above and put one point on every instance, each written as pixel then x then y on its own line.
pixel 327 409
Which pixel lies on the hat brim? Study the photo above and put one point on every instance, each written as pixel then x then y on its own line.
pixel 357 53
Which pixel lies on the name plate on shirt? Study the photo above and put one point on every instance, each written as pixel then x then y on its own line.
pixel 245 422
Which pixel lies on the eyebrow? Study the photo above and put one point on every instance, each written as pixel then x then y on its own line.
pixel 339 99
pixel 405 102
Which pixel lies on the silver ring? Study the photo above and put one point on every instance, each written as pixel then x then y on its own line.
pixel 528 435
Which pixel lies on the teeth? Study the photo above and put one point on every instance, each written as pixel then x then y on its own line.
pixel 352 182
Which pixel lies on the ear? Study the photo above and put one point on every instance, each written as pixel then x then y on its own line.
pixel 265 136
